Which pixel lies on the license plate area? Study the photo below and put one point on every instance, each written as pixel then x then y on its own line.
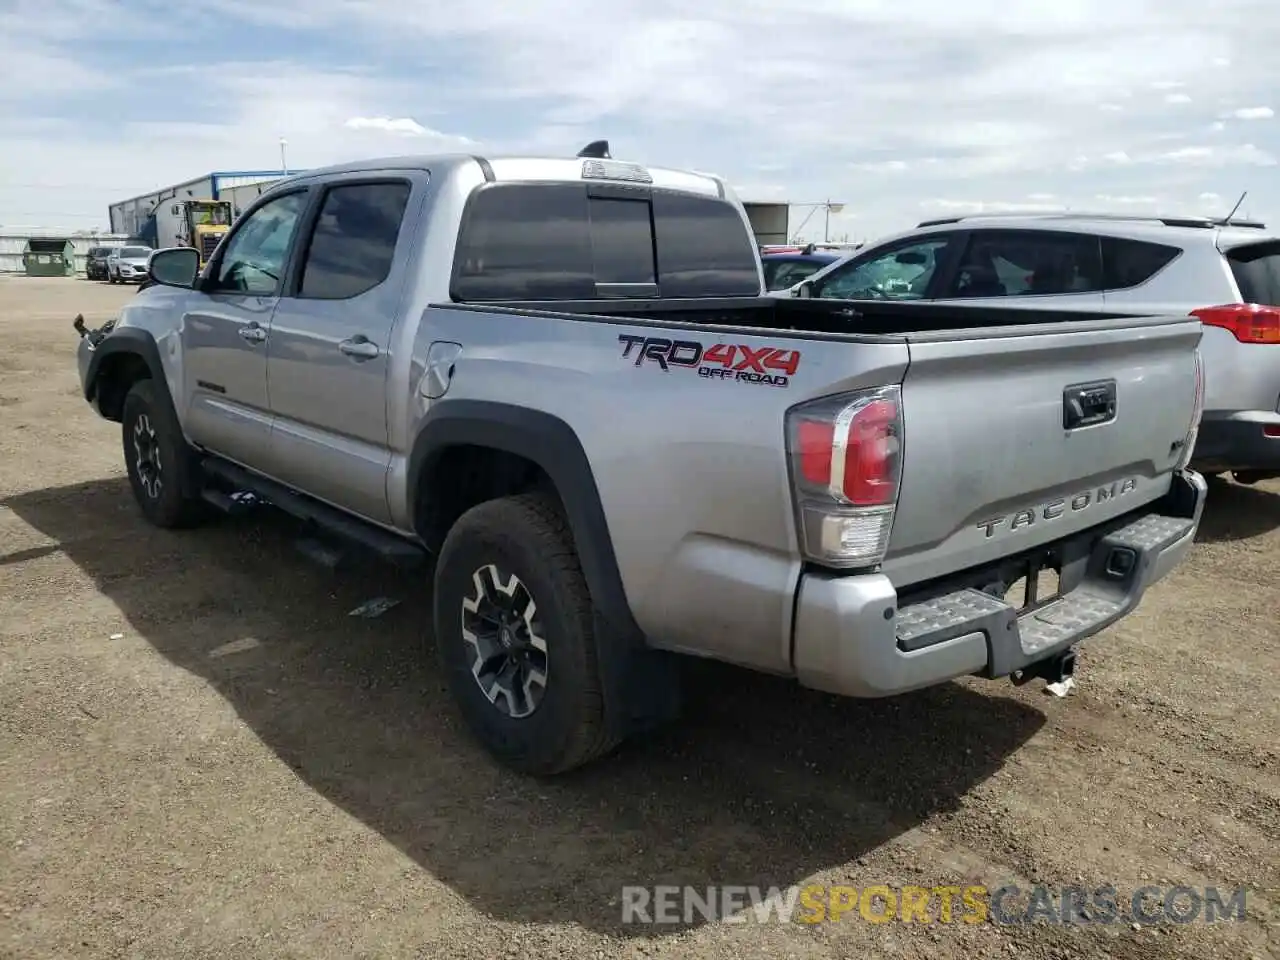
pixel 1038 586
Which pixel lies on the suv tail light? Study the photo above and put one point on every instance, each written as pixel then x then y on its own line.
pixel 1197 411
pixel 1247 322
pixel 846 466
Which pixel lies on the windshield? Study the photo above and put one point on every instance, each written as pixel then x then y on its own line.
pixel 135 253
pixel 214 214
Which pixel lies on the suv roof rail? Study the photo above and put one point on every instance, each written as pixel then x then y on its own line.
pixel 1192 221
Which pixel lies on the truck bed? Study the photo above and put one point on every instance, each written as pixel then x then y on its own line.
pixel 995 460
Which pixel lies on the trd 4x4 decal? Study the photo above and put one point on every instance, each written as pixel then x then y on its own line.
pixel 773 366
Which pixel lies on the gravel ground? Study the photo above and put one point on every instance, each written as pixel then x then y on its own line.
pixel 203 755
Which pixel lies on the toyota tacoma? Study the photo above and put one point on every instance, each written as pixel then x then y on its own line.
pixel 557 385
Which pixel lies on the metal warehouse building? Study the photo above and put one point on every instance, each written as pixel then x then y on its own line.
pixel 238 186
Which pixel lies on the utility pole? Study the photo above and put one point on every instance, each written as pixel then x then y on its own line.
pixel 284 166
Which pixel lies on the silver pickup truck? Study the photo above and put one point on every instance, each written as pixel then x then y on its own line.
pixel 557 385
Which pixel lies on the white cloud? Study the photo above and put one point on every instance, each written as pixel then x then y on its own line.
pixel 1209 197
pixel 402 125
pixel 769 96
pixel 1243 155
pixel 882 166
pixel 1126 201
pixel 1176 98
pixel 1254 113
pixel 988 206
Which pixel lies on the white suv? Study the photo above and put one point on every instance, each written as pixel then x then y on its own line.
pixel 1227 274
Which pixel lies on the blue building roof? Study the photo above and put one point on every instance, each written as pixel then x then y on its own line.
pixel 213 176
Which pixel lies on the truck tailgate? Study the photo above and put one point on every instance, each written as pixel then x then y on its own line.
pixel 1015 437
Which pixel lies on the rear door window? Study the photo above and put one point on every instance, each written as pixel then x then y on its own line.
pixel 1127 263
pixel 555 242
pixel 1027 263
pixel 1256 268
pixel 354 240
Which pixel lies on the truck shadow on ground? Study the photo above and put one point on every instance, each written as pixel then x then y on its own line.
pixel 761 783
pixel 1238 512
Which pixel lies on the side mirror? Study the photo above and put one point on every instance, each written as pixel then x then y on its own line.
pixel 175 266
pixel 803 289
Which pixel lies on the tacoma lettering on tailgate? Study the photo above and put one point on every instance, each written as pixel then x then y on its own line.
pixel 1057 508
pixel 738 363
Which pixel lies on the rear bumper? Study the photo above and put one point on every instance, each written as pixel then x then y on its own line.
pixel 1238 441
pixel 852 637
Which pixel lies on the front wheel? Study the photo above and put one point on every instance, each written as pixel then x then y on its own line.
pixel 157 459
pixel 515 634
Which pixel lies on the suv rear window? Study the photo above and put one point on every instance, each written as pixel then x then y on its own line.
pixel 1127 263
pixel 1256 268
pixel 569 241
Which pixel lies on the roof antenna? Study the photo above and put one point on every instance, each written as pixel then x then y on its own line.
pixel 597 149
pixel 1227 222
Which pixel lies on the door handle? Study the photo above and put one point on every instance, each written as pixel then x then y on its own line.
pixel 360 347
pixel 1087 404
pixel 253 333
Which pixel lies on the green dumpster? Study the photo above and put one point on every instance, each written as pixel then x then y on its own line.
pixel 49 257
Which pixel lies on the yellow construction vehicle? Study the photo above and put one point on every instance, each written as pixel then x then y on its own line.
pixel 187 223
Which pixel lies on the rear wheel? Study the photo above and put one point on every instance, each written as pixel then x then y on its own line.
pixel 157 459
pixel 514 627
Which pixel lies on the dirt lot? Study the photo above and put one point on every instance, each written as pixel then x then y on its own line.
pixel 246 771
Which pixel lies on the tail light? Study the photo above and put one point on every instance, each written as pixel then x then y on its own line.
pixel 1247 322
pixel 846 466
pixel 1197 410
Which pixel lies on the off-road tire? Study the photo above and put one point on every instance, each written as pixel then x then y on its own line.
pixel 169 504
pixel 526 536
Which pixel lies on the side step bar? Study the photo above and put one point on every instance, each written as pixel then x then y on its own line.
pixel 388 546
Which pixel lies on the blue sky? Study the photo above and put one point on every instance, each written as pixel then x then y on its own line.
pixel 901 111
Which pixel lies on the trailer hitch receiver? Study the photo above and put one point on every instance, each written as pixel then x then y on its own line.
pixel 1054 671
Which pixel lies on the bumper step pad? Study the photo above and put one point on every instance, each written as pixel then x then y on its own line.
pixel 1113 581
